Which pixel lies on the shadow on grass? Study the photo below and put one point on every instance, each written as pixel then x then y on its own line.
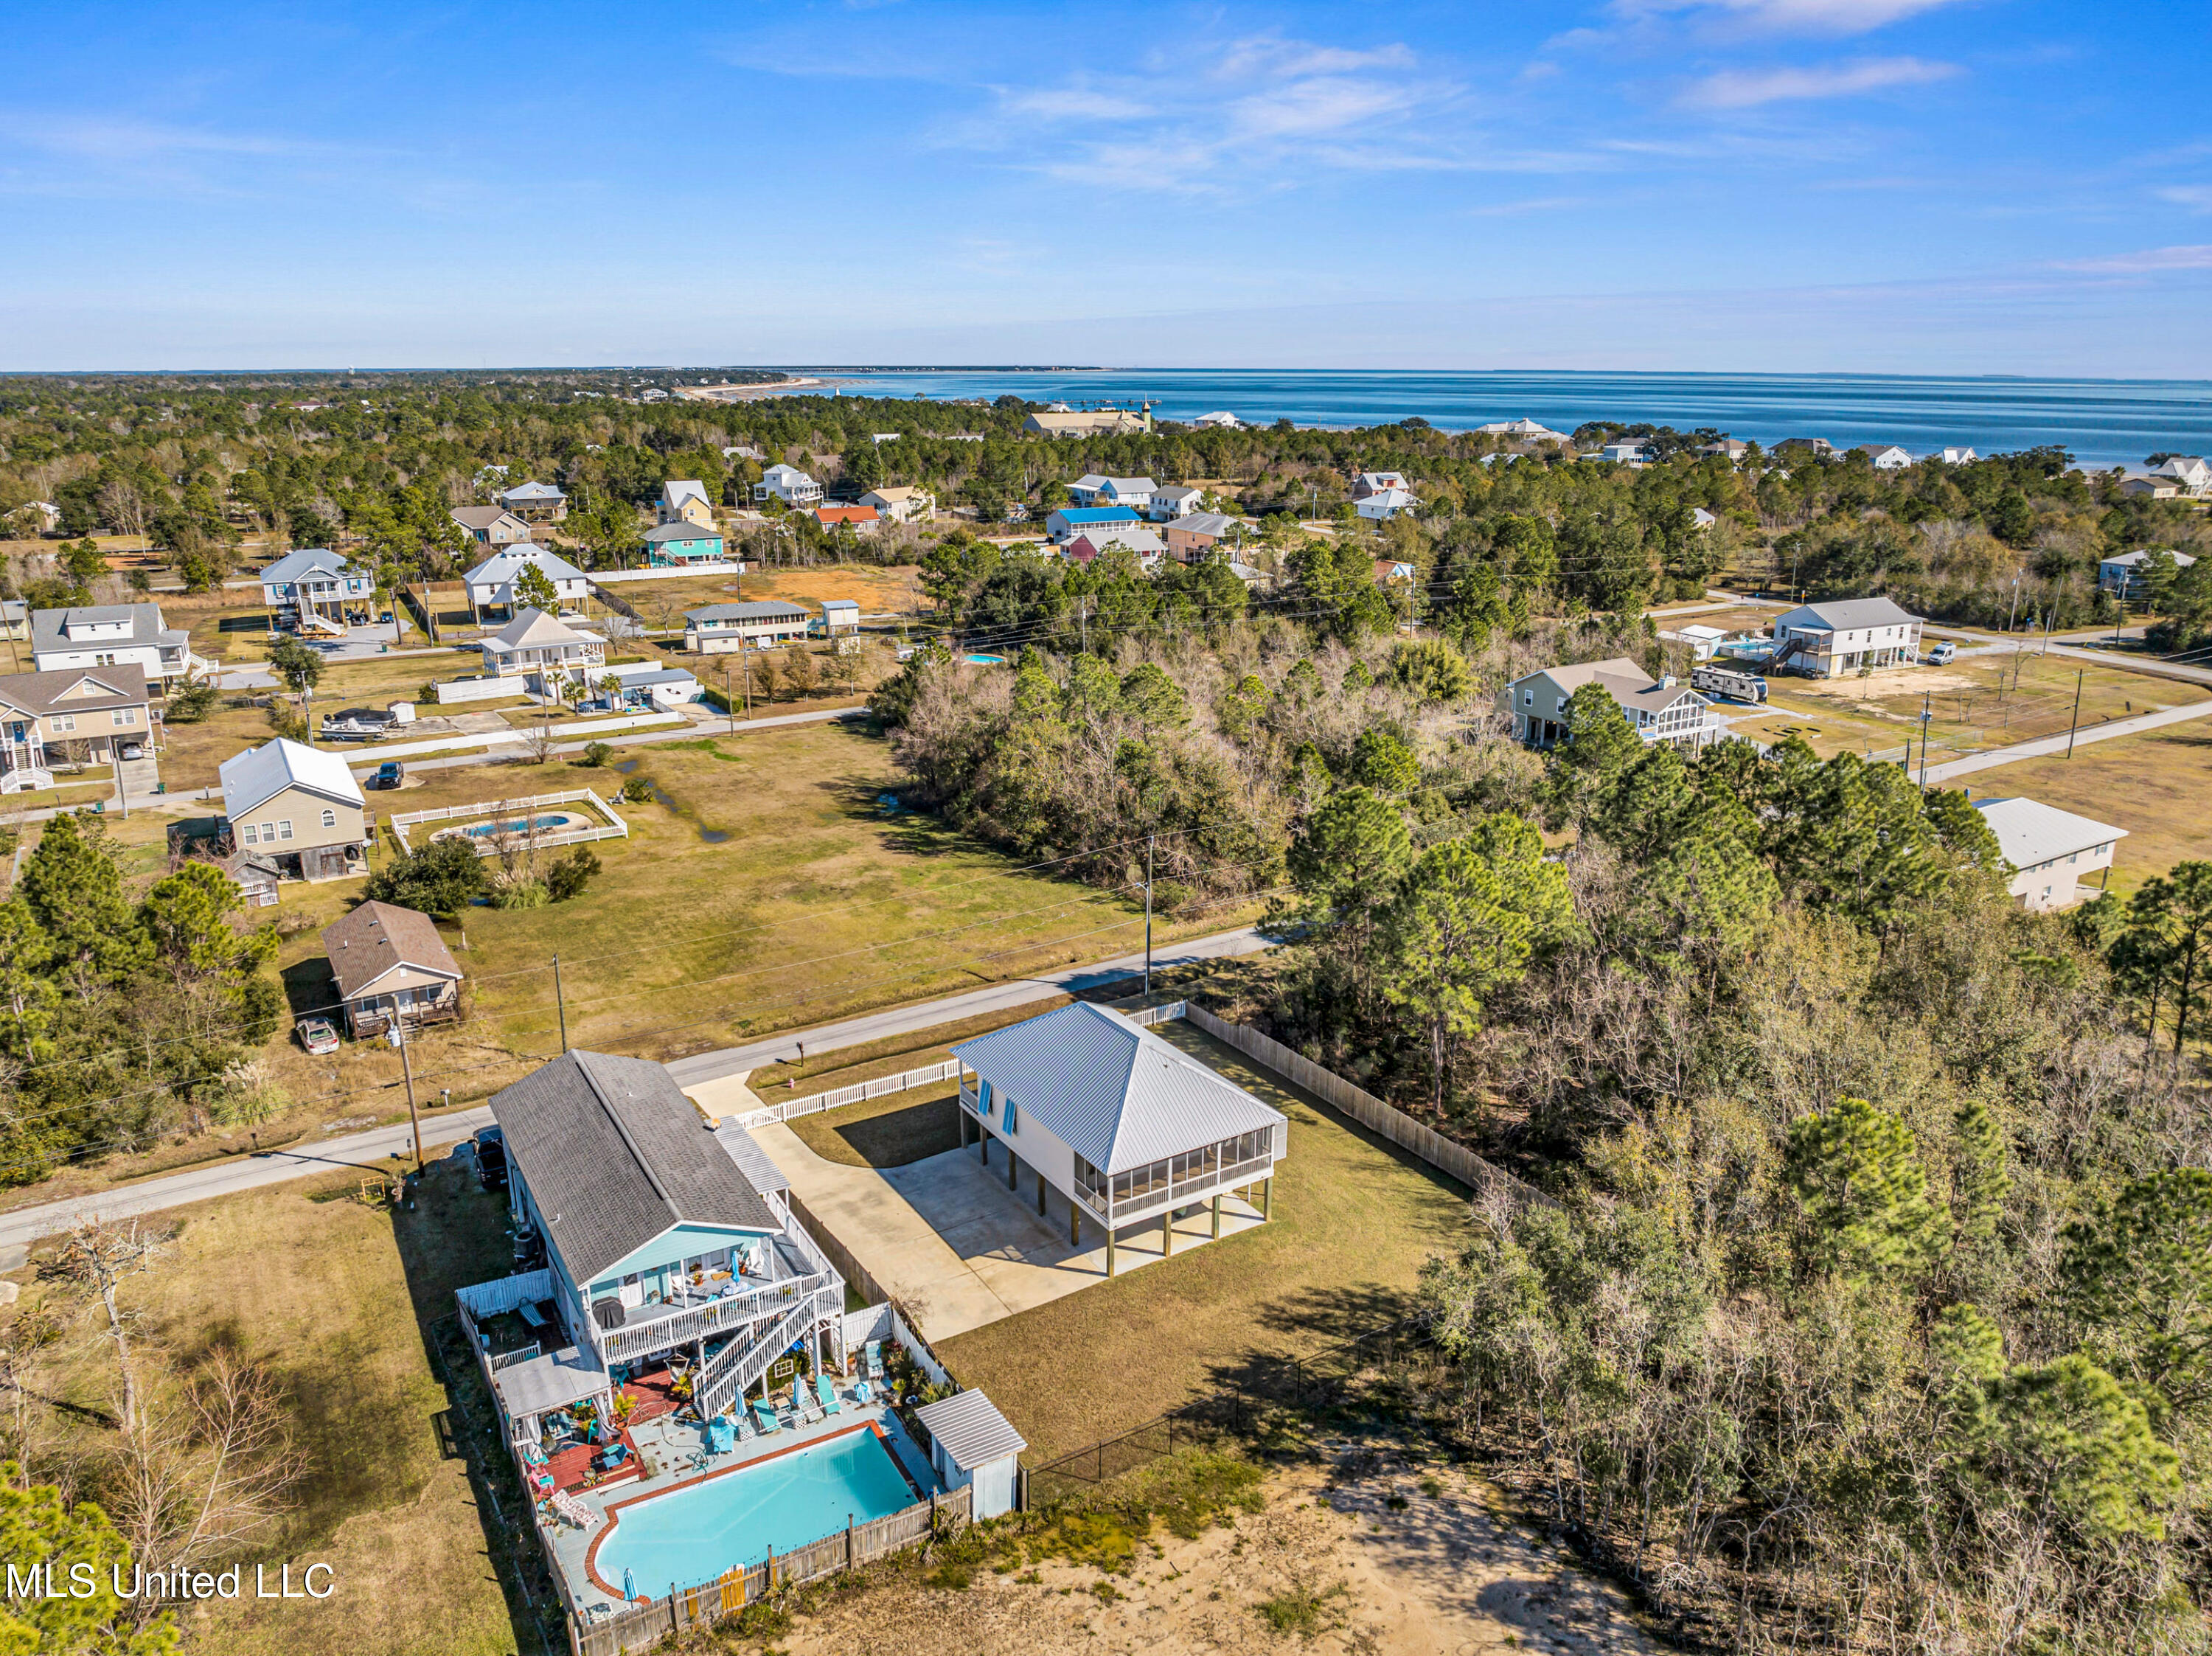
pixel 309 987
pixel 891 1139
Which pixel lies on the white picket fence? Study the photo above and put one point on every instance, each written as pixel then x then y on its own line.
pixel 501 809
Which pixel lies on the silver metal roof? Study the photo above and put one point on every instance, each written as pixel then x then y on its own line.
pixel 1114 1094
pixel 2031 832
pixel 760 1169
pixel 1845 616
pixel 971 1431
pixel 553 1379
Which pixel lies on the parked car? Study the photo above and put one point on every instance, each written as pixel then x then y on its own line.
pixel 1939 654
pixel 134 750
pixel 390 774
pixel 491 1158
pixel 319 1035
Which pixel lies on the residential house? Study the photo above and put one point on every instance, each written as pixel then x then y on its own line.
pixel 1395 573
pixel 1220 420
pixel 15 621
pixel 1147 546
pixel 1626 452
pixel 679 542
pixel 662 1237
pixel 1174 501
pixel 1385 504
pixel 535 502
pixel 2123 575
pixel 114 635
pixel 1092 489
pixel 1956 455
pixel 545 652
pixel 48 515
pixel 901 503
pixel 1064 523
pixel 2189 471
pixel 2052 851
pixel 490 526
pixel 1125 1126
pixel 1727 448
pixel 1845 635
pixel 300 806
pixel 317 588
pixel 1191 537
pixel 391 967
pixel 491 583
pixel 68 718
pixel 2150 489
pixel 684 500
pixel 719 628
pixel 840 616
pixel 860 520
pixel 1659 710
pixel 1523 430
pixel 648 685
pixel 788 484
pixel 1886 457
pixel 1378 482
pixel 1701 519
pixel 1090 422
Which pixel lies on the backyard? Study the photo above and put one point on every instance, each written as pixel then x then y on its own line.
pixel 1353 1220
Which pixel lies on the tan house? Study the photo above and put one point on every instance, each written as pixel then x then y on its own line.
pixel 70 719
pixel 901 503
pixel 490 526
pixel 1193 535
pixel 2052 851
pixel 684 500
pixel 1089 423
pixel 390 964
pixel 298 807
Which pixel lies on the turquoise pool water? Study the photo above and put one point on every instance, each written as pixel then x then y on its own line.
pixel 693 1534
pixel 542 824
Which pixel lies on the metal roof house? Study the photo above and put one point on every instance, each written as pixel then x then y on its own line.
pixel 715 629
pixel 535 502
pixel 1127 1128
pixel 656 1242
pixel 491 583
pixel 1065 522
pixel 314 580
pixel 2052 851
pixel 2127 574
pixel 1658 710
pixel 300 806
pixel 1845 635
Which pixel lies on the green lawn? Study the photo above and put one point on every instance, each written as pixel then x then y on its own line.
pixel 886 1132
pixel 1353 1220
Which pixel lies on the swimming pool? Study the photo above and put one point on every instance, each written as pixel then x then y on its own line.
pixel 550 823
pixel 694 1533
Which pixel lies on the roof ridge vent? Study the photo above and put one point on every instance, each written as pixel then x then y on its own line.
pixel 614 1116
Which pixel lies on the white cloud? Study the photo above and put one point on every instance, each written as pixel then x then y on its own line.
pixel 2197 198
pixel 1787 16
pixel 1272 56
pixel 1748 89
pixel 2149 260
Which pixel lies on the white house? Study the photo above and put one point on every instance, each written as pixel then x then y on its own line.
pixel 112 636
pixel 491 583
pixel 1886 457
pixel 684 500
pixel 1701 639
pixel 535 502
pixel 1126 1127
pixel 2189 471
pixel 316 587
pixel 1384 504
pixel 719 628
pixel 647 685
pixel 1092 489
pixel 1701 519
pixel 901 503
pixel 1626 451
pixel 1523 430
pixel 1956 455
pixel 1846 634
pixel 1727 448
pixel 545 652
pixel 1220 420
pixel 2124 574
pixel 788 484
pixel 2052 851
pixel 839 616
pixel 1658 710
pixel 1369 484
pixel 1174 501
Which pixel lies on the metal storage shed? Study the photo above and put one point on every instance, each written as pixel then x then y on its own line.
pixel 971 1442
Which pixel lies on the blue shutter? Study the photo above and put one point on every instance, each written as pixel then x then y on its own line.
pixel 1010 1115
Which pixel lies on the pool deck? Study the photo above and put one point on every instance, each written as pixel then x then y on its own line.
pixel 674 1450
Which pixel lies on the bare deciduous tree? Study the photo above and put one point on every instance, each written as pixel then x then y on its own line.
pixel 95 1257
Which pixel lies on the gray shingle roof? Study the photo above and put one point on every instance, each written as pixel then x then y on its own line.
pixel 614 1154
pixel 1114 1094
pixel 1847 615
pixel 682 529
pixel 971 1431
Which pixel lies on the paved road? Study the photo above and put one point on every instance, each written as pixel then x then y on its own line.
pixel 993 998
pixel 24 1225
pixel 2044 746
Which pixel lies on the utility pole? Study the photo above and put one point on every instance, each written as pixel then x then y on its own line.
pixel 2013 614
pixel 1148 913
pixel 1926 710
pixel 407 1069
pixel 728 705
pixel 560 1004
pixel 2076 723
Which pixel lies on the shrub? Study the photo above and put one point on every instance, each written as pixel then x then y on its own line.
pixel 568 876
pixel 596 754
pixel 635 792
pixel 518 891
pixel 443 877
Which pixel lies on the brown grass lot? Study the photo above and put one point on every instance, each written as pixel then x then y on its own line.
pixel 2158 785
pixel 1353 1220
pixel 338 1298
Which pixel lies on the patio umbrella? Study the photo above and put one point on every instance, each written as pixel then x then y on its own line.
pixel 629 1586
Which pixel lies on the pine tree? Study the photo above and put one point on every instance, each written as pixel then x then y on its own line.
pixel 1858 1171
pixel 1979 1182
pixel 2137 1279
pixel 74 888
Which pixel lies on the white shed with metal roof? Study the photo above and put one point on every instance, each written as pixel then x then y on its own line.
pixel 970 1442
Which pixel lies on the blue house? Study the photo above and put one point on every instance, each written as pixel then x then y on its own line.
pixel 673 545
pixel 316 587
pixel 663 1237
pixel 1065 522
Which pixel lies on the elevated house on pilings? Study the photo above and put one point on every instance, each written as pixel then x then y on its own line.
pixel 662 1240
pixel 1128 1129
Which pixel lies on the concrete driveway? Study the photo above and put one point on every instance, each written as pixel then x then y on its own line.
pixel 946 1238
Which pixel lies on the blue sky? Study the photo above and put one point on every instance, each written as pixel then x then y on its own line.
pixel 1915 186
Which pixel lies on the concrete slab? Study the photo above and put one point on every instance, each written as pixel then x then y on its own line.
pixel 725 1095
pixel 947 1239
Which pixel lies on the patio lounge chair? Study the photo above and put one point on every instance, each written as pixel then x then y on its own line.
pixel 876 1361
pixel 764 1412
pixel 745 1431
pixel 827 1394
pixel 803 1401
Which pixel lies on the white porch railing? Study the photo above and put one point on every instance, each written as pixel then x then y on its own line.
pixel 680 1327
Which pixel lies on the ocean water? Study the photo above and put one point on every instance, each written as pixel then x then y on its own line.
pixel 2104 422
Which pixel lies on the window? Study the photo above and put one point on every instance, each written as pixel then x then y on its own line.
pixel 124 716
pixel 1527 697
pixel 249 835
pixel 330 818
pixel 1007 1121
pixel 64 721
pixel 284 829
pixel 104 659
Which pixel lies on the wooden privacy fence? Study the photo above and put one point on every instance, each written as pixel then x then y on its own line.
pixel 645 1625
pixel 1481 1176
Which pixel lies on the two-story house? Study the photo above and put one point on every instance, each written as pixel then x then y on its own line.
pixel 114 635
pixel 679 542
pixel 1065 522
pixel 901 503
pixel 1659 710
pixel 1191 537
pixel 1844 635
pixel 788 484
pixel 70 719
pixel 1094 489
pixel 2189 472
pixel 2125 575
pixel 717 629
pixel 298 807
pixel 491 583
pixel 545 652
pixel 1377 482
pixel 535 502
pixel 661 1237
pixel 684 500
pixel 1886 457
pixel 490 526
pixel 1174 501
pixel 2052 851
pixel 317 588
